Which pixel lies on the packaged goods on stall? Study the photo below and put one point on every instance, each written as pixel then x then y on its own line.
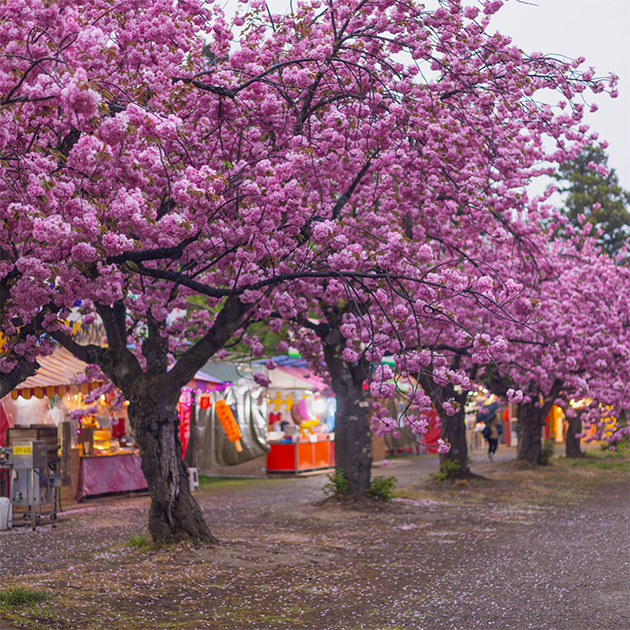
pixel 300 421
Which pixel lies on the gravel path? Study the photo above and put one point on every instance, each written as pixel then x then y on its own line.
pixel 542 550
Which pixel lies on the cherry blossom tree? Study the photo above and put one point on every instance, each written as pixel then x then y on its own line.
pixel 507 315
pixel 538 330
pixel 137 177
pixel 148 156
pixel 575 346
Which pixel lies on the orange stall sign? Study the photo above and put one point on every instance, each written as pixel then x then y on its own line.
pixel 229 424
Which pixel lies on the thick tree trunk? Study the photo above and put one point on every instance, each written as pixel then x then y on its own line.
pixel 454 431
pixel 153 392
pixel 528 430
pixel 531 419
pixel 174 514
pixel 353 438
pixel 572 448
pixel 453 427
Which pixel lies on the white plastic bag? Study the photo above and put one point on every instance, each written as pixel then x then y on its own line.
pixel 5 511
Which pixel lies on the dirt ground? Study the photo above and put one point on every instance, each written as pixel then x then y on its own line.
pixel 524 550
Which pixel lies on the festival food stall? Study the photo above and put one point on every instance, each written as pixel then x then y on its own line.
pixel 301 419
pixel 101 454
pixel 113 463
pixel 43 404
pixel 231 428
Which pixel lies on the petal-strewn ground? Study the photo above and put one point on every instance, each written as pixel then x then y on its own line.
pixel 525 550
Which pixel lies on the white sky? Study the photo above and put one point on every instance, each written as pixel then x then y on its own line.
pixel 596 29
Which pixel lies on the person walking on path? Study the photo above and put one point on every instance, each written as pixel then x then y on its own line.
pixel 493 437
pixel 490 416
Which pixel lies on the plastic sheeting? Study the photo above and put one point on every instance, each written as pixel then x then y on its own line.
pixel 249 406
pixel 115 473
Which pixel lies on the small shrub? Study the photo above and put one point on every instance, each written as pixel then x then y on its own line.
pixel 18 596
pixel 382 488
pixel 546 453
pixel 337 486
pixel 620 446
pixel 448 469
pixel 141 542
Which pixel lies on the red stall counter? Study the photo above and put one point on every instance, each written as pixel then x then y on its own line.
pixel 291 457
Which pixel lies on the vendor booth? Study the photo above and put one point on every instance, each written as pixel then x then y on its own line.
pixel 301 419
pixel 96 450
pixel 104 474
pixel 231 430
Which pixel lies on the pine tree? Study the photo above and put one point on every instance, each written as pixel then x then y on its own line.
pixel 599 198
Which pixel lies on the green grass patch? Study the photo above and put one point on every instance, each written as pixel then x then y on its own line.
pixel 218 483
pixel 601 463
pixel 141 542
pixel 19 597
pixel 546 452
pixel 382 488
pixel 620 452
pixel 449 469
pixel 276 619
pixel 337 485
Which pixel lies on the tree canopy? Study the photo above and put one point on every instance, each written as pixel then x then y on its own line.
pixel 153 152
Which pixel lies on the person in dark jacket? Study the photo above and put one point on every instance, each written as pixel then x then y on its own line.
pixel 490 416
pixel 493 438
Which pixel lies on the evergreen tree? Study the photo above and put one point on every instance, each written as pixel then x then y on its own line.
pixel 599 198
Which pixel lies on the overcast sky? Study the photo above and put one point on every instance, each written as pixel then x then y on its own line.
pixel 596 29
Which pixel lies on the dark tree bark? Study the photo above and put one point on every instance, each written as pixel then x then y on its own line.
pixel 572 446
pixel 153 393
pixel 10 380
pixel 453 427
pixel 531 419
pixel 353 438
pixel 174 514
pixel 454 432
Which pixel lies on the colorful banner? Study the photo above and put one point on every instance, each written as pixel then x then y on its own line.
pixel 183 410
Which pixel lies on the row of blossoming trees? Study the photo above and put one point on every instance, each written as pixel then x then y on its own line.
pixel 353 172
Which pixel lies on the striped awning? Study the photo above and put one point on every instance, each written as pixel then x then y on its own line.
pixel 204 382
pixel 55 377
pixel 58 371
pixel 53 390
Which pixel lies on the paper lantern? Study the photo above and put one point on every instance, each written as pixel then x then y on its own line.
pixel 229 424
